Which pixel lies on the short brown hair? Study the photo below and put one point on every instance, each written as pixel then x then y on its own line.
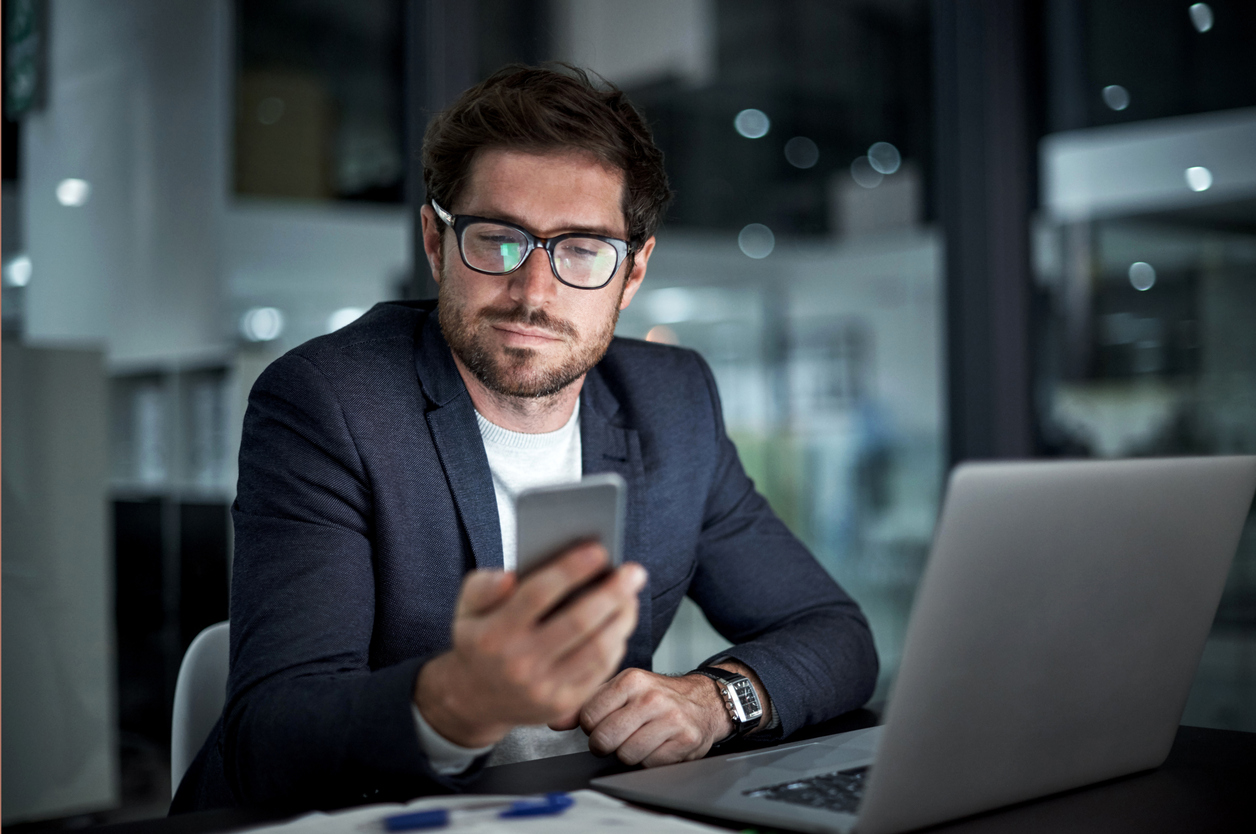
pixel 554 107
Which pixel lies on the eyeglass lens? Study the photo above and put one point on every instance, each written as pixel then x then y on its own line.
pixel 582 261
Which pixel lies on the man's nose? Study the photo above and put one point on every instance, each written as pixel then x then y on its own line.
pixel 534 283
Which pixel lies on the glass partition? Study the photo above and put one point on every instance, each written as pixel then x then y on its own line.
pixel 1145 255
pixel 1149 348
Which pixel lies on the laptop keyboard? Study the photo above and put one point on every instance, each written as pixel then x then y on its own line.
pixel 839 791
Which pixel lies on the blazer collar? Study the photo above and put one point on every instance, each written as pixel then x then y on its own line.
pixel 451 420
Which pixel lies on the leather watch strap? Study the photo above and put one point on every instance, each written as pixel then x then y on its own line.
pixel 747 711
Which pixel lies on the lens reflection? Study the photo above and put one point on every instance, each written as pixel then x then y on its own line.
pixel 492 248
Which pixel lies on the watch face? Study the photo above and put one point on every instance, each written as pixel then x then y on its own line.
pixel 747 700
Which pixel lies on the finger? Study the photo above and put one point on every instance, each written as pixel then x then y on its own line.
pixel 482 591
pixel 611 696
pixel 604 701
pixel 540 591
pixel 660 741
pixel 613 731
pixel 633 699
pixel 575 623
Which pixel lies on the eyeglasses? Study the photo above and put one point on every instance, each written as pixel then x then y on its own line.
pixel 495 247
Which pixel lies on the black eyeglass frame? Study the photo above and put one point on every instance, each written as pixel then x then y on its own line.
pixel 459 223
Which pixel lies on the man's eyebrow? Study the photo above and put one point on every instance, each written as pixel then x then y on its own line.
pixel 567 228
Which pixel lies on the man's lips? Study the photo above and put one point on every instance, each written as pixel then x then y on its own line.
pixel 517 332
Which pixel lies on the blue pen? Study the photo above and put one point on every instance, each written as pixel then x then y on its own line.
pixel 541 806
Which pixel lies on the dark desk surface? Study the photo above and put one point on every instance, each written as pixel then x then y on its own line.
pixel 1208 784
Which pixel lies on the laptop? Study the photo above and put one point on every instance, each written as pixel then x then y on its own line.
pixel 1052 644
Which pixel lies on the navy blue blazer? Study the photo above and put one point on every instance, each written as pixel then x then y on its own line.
pixel 365 496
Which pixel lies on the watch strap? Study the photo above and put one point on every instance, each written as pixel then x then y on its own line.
pixel 718 674
pixel 728 684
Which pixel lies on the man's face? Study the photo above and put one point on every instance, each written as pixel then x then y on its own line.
pixel 526 334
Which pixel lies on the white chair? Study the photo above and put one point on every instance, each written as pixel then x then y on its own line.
pixel 199 694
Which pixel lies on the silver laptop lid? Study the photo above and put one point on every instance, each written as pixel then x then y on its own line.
pixel 1055 632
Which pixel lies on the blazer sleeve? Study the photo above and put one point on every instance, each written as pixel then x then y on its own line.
pixel 763 590
pixel 307 722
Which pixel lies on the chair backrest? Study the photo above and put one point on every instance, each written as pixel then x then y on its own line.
pixel 199 694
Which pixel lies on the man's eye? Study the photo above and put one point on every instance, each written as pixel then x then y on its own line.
pixel 581 249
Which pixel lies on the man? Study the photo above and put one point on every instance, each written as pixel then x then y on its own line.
pixel 379 649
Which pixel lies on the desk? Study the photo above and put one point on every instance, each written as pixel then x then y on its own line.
pixel 1208 784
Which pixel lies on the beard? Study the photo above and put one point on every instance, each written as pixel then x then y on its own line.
pixel 512 371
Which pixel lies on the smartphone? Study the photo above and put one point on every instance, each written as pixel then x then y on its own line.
pixel 551 519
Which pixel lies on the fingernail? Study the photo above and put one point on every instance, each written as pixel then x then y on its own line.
pixel 638 576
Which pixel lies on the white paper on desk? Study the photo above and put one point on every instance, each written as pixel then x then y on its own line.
pixel 592 811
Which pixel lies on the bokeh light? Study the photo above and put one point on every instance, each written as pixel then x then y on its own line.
pixel 801 152
pixel 73 192
pixel 1142 276
pixel 753 124
pixel 1199 178
pixel 756 241
pixel 862 172
pixel 884 158
pixel 1116 97
pixel 261 324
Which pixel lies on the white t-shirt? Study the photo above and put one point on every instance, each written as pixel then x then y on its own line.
pixel 518 461
pixel 521 461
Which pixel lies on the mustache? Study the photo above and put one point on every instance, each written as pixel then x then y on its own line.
pixel 537 318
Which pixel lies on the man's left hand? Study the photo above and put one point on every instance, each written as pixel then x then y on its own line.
pixel 650 719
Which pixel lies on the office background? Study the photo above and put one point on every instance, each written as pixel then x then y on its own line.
pixel 906 234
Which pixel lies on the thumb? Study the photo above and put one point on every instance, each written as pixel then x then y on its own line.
pixel 566 722
pixel 484 590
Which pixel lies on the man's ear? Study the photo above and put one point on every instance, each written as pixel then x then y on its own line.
pixel 640 261
pixel 433 242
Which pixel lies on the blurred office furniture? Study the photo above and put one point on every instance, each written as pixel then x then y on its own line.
pixel 199 695
pixel 60 709
pixel 171 481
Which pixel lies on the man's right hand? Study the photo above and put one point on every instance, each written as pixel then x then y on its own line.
pixel 511 664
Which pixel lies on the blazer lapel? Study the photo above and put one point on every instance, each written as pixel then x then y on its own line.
pixel 606 446
pixel 451 420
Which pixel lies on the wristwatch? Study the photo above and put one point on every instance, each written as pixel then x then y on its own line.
pixel 739 697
